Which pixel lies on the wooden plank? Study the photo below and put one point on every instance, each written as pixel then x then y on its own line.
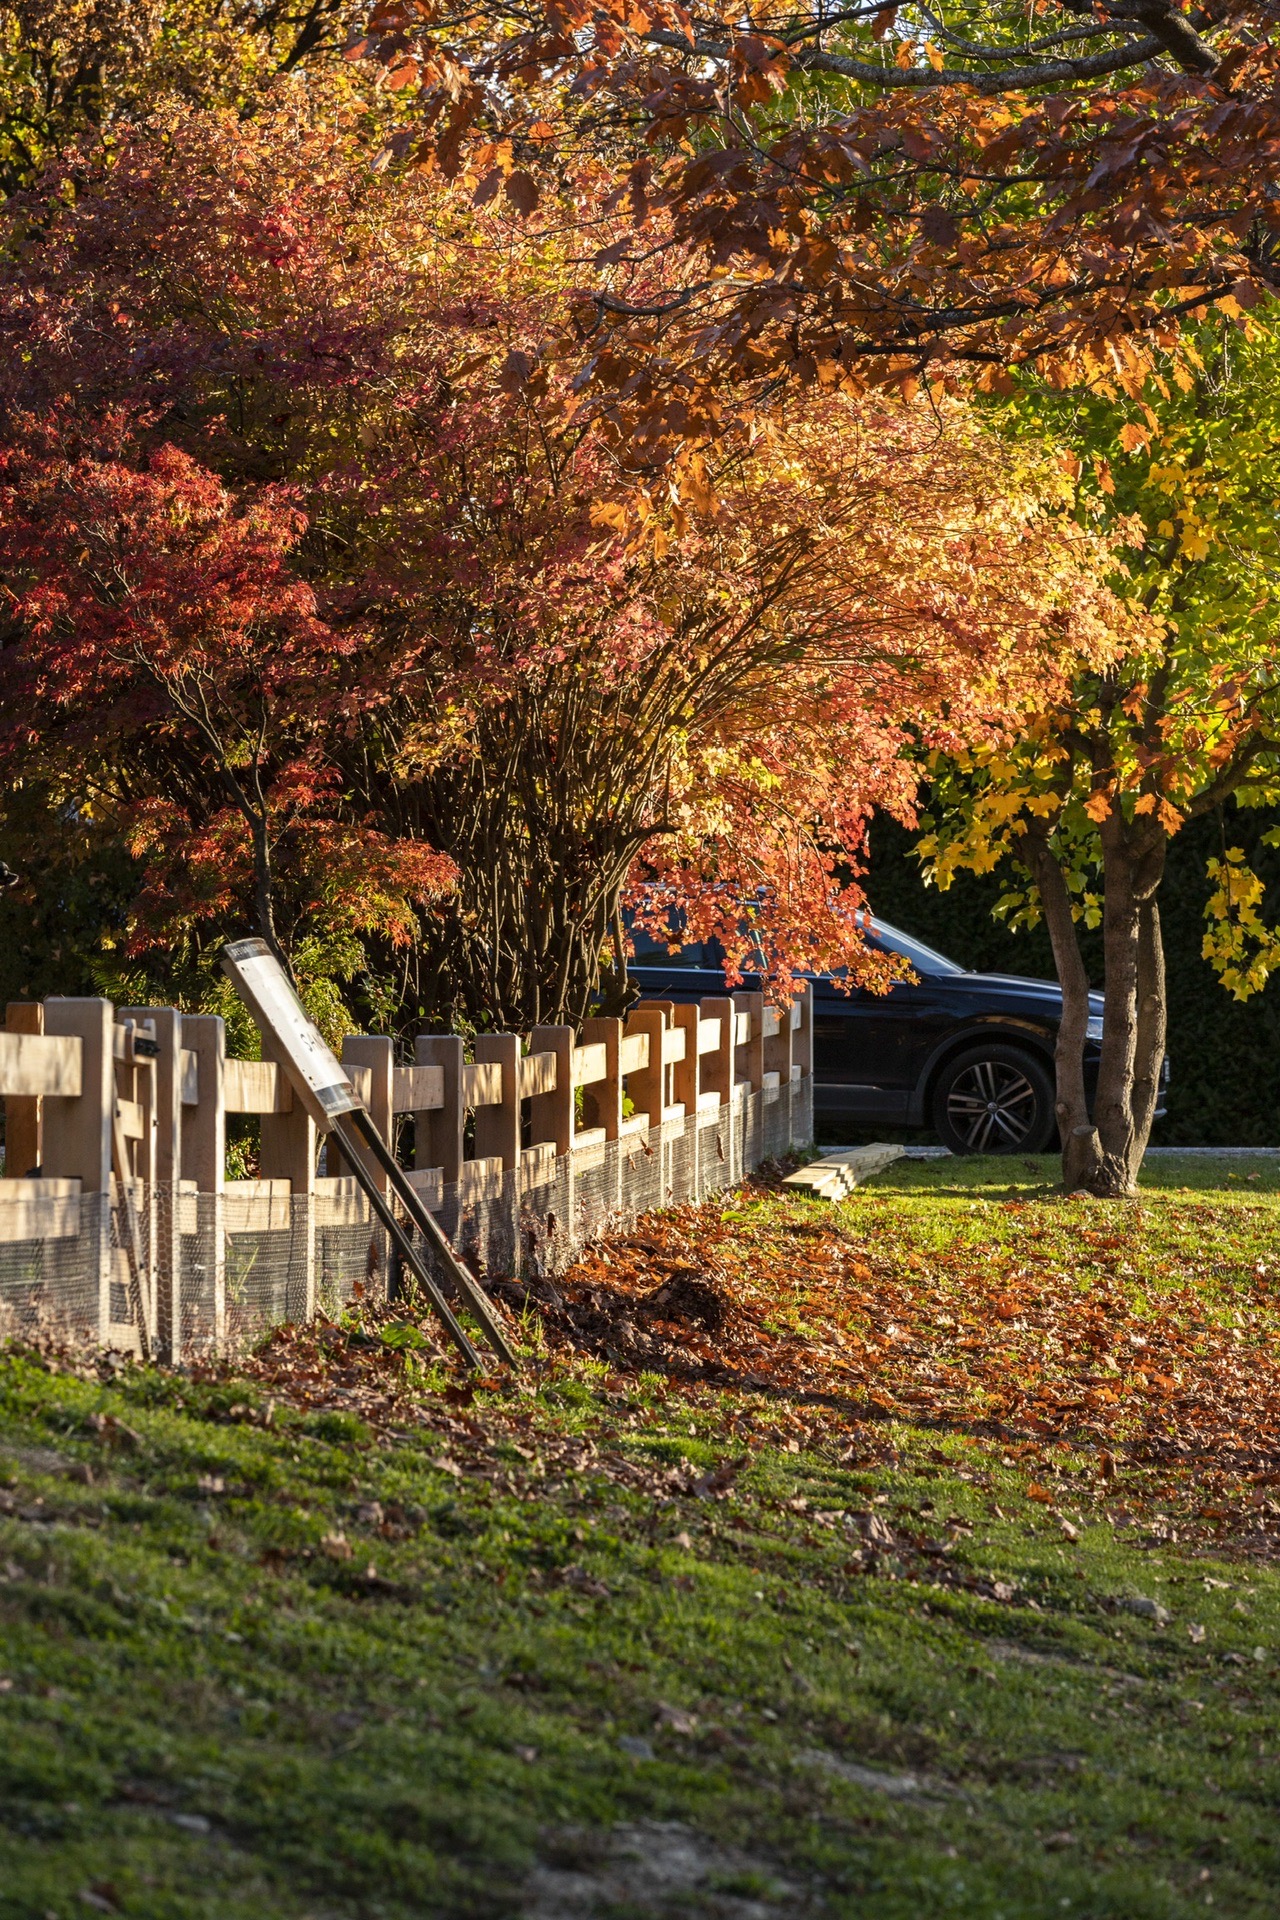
pixel 674 1045
pixel 674 1110
pixel 590 1064
pixel 537 1165
pixel 709 1102
pixel 22 1118
pixel 39 1210
pixel 256 1086
pixel 257 1206
pixel 590 1152
pixel 133 1122
pixel 190 1081
pixel 428 1184
pixel 418 1089
pixel 837 1174
pixel 638 1123
pixel 482 1084
pixel 633 1053
pixel 40 1065
pixel 772 1022
pixel 741 1029
pixel 480 1180
pixel 340 1201
pixel 708 1036
pixel 772 1080
pixel 537 1074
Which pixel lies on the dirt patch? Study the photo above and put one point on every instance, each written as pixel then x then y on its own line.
pixel 658 1869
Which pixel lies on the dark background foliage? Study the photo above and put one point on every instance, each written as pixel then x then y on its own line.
pixel 1224 1053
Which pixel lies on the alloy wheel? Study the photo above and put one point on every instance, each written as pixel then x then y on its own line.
pixel 991 1106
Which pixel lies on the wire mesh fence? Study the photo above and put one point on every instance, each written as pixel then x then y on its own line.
pixel 218 1269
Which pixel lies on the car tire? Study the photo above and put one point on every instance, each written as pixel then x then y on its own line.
pixel 994 1099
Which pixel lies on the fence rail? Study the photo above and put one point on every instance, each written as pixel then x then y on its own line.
pixel 118 1219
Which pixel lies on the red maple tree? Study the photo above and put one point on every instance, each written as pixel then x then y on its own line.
pixel 320 604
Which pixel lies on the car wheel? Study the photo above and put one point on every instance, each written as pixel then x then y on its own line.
pixel 994 1099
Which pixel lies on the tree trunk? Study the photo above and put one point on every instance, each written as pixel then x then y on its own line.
pixel 1152 1022
pixel 1081 1150
pixel 1134 1012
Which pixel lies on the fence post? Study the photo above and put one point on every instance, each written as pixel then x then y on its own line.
pixel 438 1132
pixel 134 1164
pixel 77 1135
pixel 551 1114
pixel 684 1074
pixel 377 1052
pixel 602 1102
pixel 717 1066
pixel 753 1045
pixel 166 1228
pixel 22 1117
pixel 647 1085
pixel 777 1049
pixel 802 1034
pixel 498 1128
pixel 290 1147
pixel 204 1159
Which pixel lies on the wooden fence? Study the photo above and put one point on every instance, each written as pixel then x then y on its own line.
pixel 117 1215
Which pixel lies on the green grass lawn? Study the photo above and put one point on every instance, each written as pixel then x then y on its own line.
pixel 325 1637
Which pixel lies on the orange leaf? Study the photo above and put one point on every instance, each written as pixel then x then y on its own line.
pixel 522 191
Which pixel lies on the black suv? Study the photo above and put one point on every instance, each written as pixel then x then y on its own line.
pixel 968 1054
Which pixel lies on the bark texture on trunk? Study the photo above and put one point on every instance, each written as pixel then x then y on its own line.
pixel 1134 1016
pixel 1081 1150
pixel 1102 1153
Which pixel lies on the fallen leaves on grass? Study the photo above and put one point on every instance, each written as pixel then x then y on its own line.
pixel 1000 1339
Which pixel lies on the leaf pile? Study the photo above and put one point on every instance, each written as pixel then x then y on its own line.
pixel 1051 1330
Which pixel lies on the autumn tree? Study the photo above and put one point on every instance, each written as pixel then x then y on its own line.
pixel 71 68
pixel 467 635
pixel 875 193
pixel 1083 808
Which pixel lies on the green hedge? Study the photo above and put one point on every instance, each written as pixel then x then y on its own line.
pixel 1224 1054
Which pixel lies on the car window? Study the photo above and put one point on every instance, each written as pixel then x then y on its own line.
pixel 922 958
pixel 655 953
